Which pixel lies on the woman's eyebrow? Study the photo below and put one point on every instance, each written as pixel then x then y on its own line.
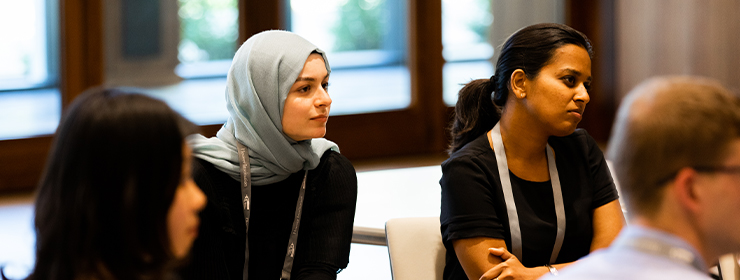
pixel 574 72
pixel 310 79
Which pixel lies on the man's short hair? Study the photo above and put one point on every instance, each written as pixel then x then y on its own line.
pixel 665 124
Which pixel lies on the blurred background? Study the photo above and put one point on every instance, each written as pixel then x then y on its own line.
pixel 396 64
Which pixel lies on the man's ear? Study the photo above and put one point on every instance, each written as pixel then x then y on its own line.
pixel 684 188
pixel 518 83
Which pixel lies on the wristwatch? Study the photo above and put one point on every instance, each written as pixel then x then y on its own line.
pixel 553 270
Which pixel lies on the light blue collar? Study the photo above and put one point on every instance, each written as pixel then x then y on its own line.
pixel 659 243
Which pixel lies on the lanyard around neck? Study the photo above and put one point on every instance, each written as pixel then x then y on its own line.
pixel 247 194
pixel 661 248
pixel 503 171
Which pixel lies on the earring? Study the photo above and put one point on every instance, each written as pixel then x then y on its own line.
pixel 522 95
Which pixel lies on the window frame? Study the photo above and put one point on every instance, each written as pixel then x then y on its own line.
pixel 418 129
pixel 414 130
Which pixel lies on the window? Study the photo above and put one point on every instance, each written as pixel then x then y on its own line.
pixel 208 33
pixel 472 29
pixel 30 103
pixel 415 129
pixel 365 41
pixel 467 48
pixel 186 69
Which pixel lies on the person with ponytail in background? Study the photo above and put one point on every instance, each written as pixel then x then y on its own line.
pixel 524 192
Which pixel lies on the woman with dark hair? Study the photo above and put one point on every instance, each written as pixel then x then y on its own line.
pixel 282 198
pixel 520 176
pixel 116 200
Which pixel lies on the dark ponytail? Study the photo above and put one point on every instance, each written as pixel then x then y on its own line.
pixel 480 102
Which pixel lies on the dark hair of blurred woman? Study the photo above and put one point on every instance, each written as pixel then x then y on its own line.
pixel 113 175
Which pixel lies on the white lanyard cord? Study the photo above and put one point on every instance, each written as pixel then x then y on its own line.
pixel 658 247
pixel 514 228
pixel 247 193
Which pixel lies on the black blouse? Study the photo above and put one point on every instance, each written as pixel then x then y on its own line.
pixel 324 236
pixel 473 201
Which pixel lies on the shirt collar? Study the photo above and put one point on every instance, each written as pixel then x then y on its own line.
pixel 634 232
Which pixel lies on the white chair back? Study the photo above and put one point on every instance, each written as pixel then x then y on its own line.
pixel 415 248
pixel 728 267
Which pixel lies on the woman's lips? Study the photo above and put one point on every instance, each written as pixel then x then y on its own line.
pixel 194 229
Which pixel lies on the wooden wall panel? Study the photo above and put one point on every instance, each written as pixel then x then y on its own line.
pixel 81 43
pixel 256 16
pixel 22 162
pixel 596 20
pixel 425 65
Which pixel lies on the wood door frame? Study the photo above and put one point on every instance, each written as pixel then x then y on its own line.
pixel 596 19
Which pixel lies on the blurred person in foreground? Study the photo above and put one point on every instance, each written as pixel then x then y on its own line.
pixel 676 152
pixel 116 200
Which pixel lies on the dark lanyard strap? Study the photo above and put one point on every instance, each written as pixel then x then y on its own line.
pixel 247 193
pixel 514 228
pixel 661 248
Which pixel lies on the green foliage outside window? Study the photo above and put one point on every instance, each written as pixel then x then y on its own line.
pixel 208 30
pixel 360 26
pixel 480 22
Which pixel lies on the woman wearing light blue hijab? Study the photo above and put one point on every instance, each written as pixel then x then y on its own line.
pixel 281 199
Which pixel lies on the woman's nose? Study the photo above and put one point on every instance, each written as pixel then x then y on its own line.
pixel 198 197
pixel 582 94
pixel 323 98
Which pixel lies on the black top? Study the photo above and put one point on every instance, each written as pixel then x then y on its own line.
pixel 323 239
pixel 473 201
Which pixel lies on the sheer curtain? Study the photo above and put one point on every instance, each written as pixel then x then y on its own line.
pixel 689 37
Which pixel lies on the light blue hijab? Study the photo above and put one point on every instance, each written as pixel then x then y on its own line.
pixel 261 75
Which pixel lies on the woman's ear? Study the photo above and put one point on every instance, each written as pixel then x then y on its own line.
pixel 518 83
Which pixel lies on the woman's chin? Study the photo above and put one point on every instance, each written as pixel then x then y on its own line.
pixel 319 133
pixel 565 130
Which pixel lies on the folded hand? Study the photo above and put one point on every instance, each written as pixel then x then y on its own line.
pixel 510 268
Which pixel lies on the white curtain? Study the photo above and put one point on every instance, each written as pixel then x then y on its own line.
pixel 661 37
pixel 512 15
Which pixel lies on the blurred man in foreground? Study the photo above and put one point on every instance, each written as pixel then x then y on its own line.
pixel 676 153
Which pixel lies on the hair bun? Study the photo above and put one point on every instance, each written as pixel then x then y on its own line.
pixel 493 81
